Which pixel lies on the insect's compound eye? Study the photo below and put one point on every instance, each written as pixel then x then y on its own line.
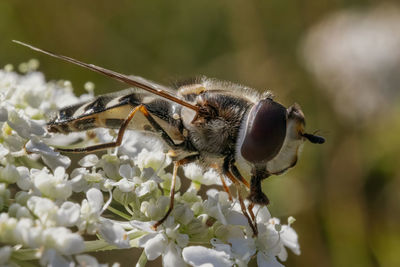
pixel 266 131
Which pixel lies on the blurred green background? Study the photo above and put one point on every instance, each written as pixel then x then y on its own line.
pixel 345 193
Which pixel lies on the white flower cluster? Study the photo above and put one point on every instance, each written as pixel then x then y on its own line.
pixel 47 210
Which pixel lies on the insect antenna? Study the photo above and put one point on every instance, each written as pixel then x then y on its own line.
pixel 315 139
pixel 116 76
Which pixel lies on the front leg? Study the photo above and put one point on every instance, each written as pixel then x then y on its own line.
pixel 256 195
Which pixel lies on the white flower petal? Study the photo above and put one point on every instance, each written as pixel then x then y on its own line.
pixel 63 240
pixel 126 171
pixel 234 217
pixel 145 188
pixel 52 158
pixel 182 240
pixel 52 258
pixel 198 255
pixel 114 234
pixel 87 260
pixel 9 174
pixel 125 186
pixel 38 146
pixel 267 261
pixel 5 253
pixel 144 226
pixel 263 214
pixel 24 182
pixel 154 245
pixel 245 247
pixel 95 199
pixel 54 162
pixel 44 209
pixel 154 160
pixel 53 186
pixel 282 255
pixel 89 161
pixel 290 239
pixel 172 256
pixel 68 214
pixel 24 126
pixel 3 151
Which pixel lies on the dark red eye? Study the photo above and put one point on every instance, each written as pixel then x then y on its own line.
pixel 266 131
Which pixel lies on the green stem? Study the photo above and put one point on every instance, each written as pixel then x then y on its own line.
pixel 24 263
pixel 128 209
pixel 98 245
pixel 25 254
pixel 142 260
pixel 119 213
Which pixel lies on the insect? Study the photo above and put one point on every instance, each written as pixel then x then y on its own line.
pixel 222 125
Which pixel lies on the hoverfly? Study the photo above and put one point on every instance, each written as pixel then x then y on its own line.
pixel 220 124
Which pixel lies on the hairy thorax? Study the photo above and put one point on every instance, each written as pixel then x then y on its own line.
pixel 214 130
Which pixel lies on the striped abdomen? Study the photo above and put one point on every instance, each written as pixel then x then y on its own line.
pixel 109 111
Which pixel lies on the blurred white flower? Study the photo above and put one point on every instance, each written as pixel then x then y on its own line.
pixel 5 253
pixel 50 257
pixel 114 233
pixel 355 57
pixel 54 186
pixel 202 256
pixel 63 240
pixel 90 261
pixel 44 209
pixel 24 181
pixel 68 214
pixel 18 211
pixel 9 174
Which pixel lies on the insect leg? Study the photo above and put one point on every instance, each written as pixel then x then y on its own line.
pixel 251 222
pixel 224 185
pixel 250 208
pixel 237 174
pixel 178 163
pixel 106 145
pixel 226 188
pixel 159 129
pixel 121 132
pixel 256 195
pixel 226 169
